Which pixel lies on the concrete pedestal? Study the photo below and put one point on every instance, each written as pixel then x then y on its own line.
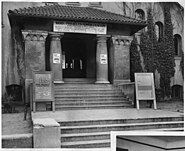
pixel 46 133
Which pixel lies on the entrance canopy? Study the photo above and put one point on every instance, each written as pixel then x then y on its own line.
pixel 80 14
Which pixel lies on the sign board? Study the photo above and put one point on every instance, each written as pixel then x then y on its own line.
pixel 103 58
pixel 43 86
pixel 79 27
pixel 145 90
pixel 56 58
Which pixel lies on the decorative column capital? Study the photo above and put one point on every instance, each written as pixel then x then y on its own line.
pixel 34 35
pixel 102 38
pixel 55 36
pixel 122 40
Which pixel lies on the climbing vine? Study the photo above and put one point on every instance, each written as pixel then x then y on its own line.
pixel 166 54
pixel 135 61
pixel 182 64
pixel 159 55
pixel 148 44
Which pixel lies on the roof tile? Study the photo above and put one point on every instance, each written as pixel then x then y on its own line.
pixel 78 13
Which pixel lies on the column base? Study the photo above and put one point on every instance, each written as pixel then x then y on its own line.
pixel 58 82
pixel 102 82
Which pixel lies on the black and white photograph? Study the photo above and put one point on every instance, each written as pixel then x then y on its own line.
pixel 73 73
pixel 158 141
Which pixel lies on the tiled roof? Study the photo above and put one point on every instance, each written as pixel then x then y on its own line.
pixel 75 13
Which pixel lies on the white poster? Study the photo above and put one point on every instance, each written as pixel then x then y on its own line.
pixel 103 58
pixel 56 58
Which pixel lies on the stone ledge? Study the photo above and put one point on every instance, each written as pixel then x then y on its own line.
pixel 45 122
pixel 16 136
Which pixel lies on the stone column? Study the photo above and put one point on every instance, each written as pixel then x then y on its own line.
pixel 34 55
pixel 121 71
pixel 56 56
pixel 101 59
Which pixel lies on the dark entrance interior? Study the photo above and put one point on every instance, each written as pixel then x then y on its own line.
pixel 74 50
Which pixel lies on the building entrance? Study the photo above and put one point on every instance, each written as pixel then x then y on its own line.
pixel 74 52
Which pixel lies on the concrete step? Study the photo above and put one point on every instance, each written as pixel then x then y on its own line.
pixel 87 144
pixel 109 96
pixel 85 136
pixel 169 129
pixel 63 103
pixel 87 92
pixel 86 107
pixel 79 80
pixel 98 99
pixel 120 121
pixel 120 127
pixel 89 100
pixel 84 86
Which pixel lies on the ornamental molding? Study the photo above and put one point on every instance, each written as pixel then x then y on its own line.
pixel 32 35
pixel 55 36
pixel 122 40
pixel 102 38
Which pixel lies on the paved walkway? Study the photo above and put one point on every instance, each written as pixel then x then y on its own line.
pixel 103 114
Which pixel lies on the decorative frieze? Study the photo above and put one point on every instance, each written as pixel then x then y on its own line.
pixel 32 35
pixel 121 40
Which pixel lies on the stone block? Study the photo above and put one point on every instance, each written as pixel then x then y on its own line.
pixel 46 133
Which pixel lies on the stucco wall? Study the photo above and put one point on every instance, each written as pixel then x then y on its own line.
pixel 9 62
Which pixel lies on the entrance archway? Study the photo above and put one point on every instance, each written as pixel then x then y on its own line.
pixel 79 56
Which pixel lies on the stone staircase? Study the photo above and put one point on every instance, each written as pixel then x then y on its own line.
pixel 89 96
pixel 96 134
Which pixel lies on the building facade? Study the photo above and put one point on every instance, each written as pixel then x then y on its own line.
pixel 39 37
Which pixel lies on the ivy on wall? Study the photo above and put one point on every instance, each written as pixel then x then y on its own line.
pixel 135 61
pixel 165 54
pixel 182 64
pixel 159 55
pixel 148 44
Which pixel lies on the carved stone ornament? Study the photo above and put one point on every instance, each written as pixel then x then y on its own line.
pixel 32 35
pixel 55 36
pixel 122 40
pixel 102 38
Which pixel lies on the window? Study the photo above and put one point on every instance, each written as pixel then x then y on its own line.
pixel 72 3
pixel 178 45
pixel 159 30
pixel 140 14
pixel 50 3
pixel 177 92
pixel 95 4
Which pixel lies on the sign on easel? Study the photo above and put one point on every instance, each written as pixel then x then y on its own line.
pixel 43 88
pixel 145 89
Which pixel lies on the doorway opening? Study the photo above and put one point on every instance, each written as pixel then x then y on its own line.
pixel 78 56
